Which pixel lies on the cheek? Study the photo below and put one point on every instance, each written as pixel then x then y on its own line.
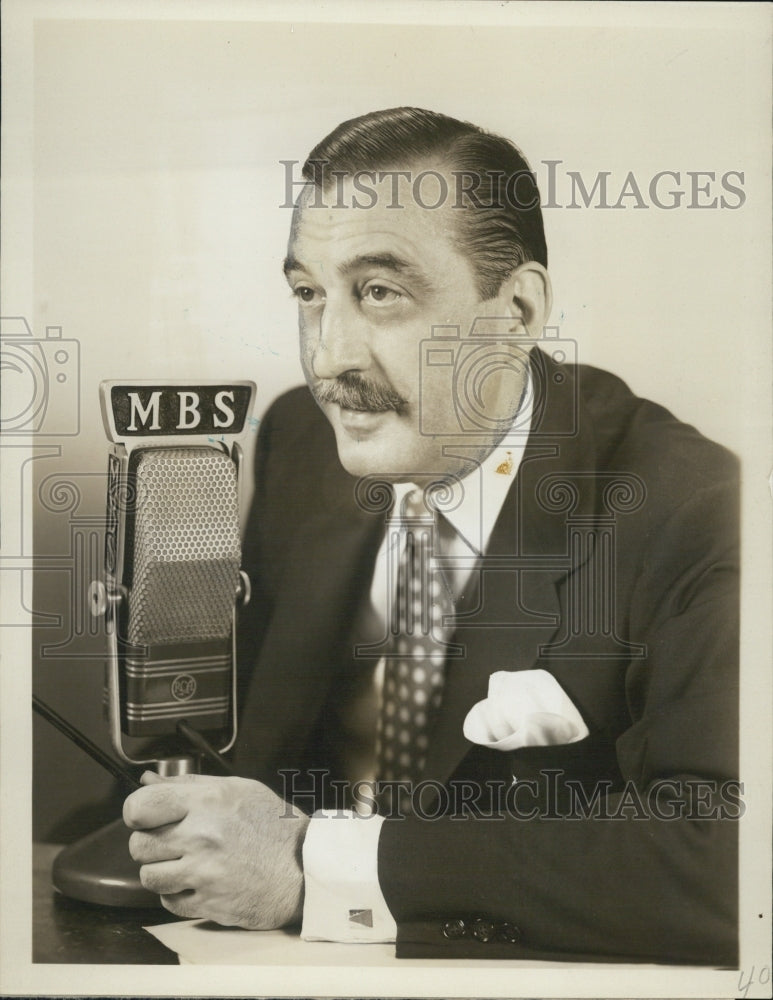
pixel 305 346
pixel 397 356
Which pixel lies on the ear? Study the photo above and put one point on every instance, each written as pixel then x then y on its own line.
pixel 527 295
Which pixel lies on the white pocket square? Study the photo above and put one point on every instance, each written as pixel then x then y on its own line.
pixel 524 708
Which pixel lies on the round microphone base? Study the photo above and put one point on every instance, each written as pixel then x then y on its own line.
pixel 99 869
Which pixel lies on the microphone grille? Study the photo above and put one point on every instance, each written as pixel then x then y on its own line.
pixel 187 549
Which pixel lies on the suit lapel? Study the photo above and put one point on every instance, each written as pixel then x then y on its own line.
pixel 511 602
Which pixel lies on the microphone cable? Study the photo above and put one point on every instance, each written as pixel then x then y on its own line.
pixel 109 763
pixel 80 740
pixel 200 742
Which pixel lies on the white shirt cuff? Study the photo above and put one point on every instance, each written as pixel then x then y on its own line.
pixel 343 899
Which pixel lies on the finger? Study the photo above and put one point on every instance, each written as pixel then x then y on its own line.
pixel 150 778
pixel 165 878
pixel 182 904
pixel 153 778
pixel 159 845
pixel 155 805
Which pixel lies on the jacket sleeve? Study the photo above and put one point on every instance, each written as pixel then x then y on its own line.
pixel 657 879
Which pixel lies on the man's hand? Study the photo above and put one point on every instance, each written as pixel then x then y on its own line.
pixel 227 849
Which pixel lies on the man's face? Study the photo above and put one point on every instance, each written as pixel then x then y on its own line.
pixel 371 283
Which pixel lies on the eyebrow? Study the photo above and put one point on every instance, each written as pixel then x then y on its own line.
pixel 386 260
pixel 292 264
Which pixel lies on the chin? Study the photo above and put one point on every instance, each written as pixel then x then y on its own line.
pixel 392 464
pixel 370 451
pixel 364 460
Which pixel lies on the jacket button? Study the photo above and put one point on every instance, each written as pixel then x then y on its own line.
pixel 509 932
pixel 454 929
pixel 483 930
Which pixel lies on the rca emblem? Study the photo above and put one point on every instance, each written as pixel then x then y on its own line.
pixel 183 687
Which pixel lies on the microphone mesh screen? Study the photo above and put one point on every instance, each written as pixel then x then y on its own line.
pixel 187 550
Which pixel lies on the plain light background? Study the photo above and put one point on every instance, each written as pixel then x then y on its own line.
pixel 159 233
pixel 156 234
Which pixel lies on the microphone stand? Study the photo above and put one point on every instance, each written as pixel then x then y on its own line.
pixel 98 868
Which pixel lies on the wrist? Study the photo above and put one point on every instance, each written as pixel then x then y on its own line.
pixel 299 893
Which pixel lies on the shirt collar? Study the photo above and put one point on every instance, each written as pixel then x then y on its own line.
pixel 477 499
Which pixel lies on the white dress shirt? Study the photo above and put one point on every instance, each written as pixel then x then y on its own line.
pixel 343 899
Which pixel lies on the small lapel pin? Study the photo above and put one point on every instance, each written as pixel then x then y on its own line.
pixel 506 468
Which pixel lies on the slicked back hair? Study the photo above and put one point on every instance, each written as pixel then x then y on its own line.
pixel 496 203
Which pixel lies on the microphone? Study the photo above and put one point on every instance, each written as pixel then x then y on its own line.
pixel 172 563
pixel 173 583
pixel 181 580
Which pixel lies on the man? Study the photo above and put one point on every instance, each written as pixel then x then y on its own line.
pixel 474 517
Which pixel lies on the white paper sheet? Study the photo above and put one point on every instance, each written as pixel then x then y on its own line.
pixel 201 942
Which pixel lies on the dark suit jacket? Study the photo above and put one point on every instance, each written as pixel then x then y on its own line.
pixel 613 565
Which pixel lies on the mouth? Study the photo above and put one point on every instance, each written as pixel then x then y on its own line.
pixel 361 420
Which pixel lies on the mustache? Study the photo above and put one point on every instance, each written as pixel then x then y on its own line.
pixel 353 391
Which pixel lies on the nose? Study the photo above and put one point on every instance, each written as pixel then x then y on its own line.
pixel 340 343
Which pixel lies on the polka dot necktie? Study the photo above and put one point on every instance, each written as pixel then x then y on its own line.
pixel 415 666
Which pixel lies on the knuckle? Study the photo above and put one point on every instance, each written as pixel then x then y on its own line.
pixel 173 905
pixel 149 879
pixel 135 846
pixel 161 797
pixel 130 812
pixel 181 904
pixel 212 837
pixel 156 881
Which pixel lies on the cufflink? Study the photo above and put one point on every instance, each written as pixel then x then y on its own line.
pixel 362 917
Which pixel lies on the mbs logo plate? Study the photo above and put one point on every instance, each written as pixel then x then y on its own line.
pixel 144 409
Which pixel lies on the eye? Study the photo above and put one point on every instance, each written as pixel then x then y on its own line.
pixel 304 293
pixel 380 295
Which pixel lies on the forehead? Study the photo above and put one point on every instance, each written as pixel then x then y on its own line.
pixel 343 221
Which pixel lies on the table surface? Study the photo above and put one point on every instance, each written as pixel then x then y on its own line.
pixel 68 931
